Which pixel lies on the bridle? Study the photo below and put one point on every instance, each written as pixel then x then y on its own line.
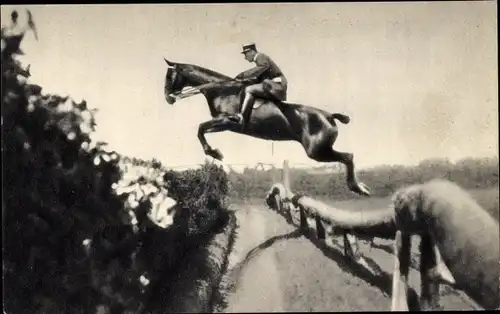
pixel 191 91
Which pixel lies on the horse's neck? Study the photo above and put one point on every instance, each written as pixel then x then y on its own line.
pixel 198 75
pixel 203 75
pixel 212 98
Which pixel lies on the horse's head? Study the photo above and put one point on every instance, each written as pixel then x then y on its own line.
pixel 175 81
pixel 180 76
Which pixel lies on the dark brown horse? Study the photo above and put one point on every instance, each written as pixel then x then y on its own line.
pixel 275 120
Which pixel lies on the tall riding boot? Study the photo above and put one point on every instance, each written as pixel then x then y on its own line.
pixel 246 108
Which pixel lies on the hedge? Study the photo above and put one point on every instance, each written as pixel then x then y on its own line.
pixel 71 243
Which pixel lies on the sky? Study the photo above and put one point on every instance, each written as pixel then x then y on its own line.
pixel 418 79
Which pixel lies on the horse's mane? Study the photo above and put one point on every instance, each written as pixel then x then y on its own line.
pixel 206 73
pixel 224 84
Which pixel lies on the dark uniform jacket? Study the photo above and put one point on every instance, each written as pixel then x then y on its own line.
pixel 268 72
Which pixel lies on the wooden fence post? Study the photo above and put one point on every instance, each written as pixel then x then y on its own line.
pixel 304 226
pixel 286 183
pixel 277 201
pixel 347 246
pixel 429 286
pixel 288 213
pixel 319 228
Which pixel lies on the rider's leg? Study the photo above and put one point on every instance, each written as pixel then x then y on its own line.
pixel 250 93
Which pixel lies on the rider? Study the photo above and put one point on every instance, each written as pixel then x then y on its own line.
pixel 13 34
pixel 271 84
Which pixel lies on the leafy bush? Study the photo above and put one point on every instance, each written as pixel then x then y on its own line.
pixel 72 244
pixel 202 195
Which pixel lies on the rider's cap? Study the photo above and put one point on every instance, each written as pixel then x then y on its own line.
pixel 248 47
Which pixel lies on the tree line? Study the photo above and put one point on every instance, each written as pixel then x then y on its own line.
pixel 470 173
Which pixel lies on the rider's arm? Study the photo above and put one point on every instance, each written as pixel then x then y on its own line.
pixel 244 74
pixel 262 65
pixel 254 72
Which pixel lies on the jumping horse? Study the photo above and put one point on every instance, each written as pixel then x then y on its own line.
pixel 271 119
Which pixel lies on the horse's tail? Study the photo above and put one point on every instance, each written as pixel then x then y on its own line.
pixel 341 117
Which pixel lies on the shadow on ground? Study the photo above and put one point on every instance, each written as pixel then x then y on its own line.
pixel 232 278
pixel 235 274
pixel 380 279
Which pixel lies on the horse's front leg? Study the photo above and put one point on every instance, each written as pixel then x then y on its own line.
pixel 213 126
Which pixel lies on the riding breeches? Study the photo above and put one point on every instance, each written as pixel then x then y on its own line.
pixel 269 89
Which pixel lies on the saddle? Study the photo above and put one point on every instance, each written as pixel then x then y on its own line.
pixel 259 101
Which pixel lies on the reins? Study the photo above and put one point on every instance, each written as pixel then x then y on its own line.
pixel 191 91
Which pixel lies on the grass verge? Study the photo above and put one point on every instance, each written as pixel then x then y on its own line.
pixel 194 286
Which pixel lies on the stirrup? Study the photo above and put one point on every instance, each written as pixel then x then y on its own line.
pixel 238 118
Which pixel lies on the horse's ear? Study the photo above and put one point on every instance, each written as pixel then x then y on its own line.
pixel 170 63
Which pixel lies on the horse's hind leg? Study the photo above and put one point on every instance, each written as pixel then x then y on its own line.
pixel 325 153
pixel 352 180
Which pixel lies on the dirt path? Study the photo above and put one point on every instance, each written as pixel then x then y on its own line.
pixel 274 268
pixel 253 283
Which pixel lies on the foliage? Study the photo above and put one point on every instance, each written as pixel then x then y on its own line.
pixel 202 193
pixel 72 244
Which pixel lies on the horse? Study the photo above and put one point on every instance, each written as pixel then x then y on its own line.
pixel 271 119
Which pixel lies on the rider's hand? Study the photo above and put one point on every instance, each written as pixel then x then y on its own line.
pixel 245 80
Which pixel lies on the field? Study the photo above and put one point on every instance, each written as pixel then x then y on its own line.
pixel 301 273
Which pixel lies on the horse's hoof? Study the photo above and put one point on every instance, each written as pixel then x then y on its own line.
pixel 360 188
pixel 215 153
pixel 364 189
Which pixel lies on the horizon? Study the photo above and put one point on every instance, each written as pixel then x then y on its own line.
pixel 240 168
pixel 419 80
